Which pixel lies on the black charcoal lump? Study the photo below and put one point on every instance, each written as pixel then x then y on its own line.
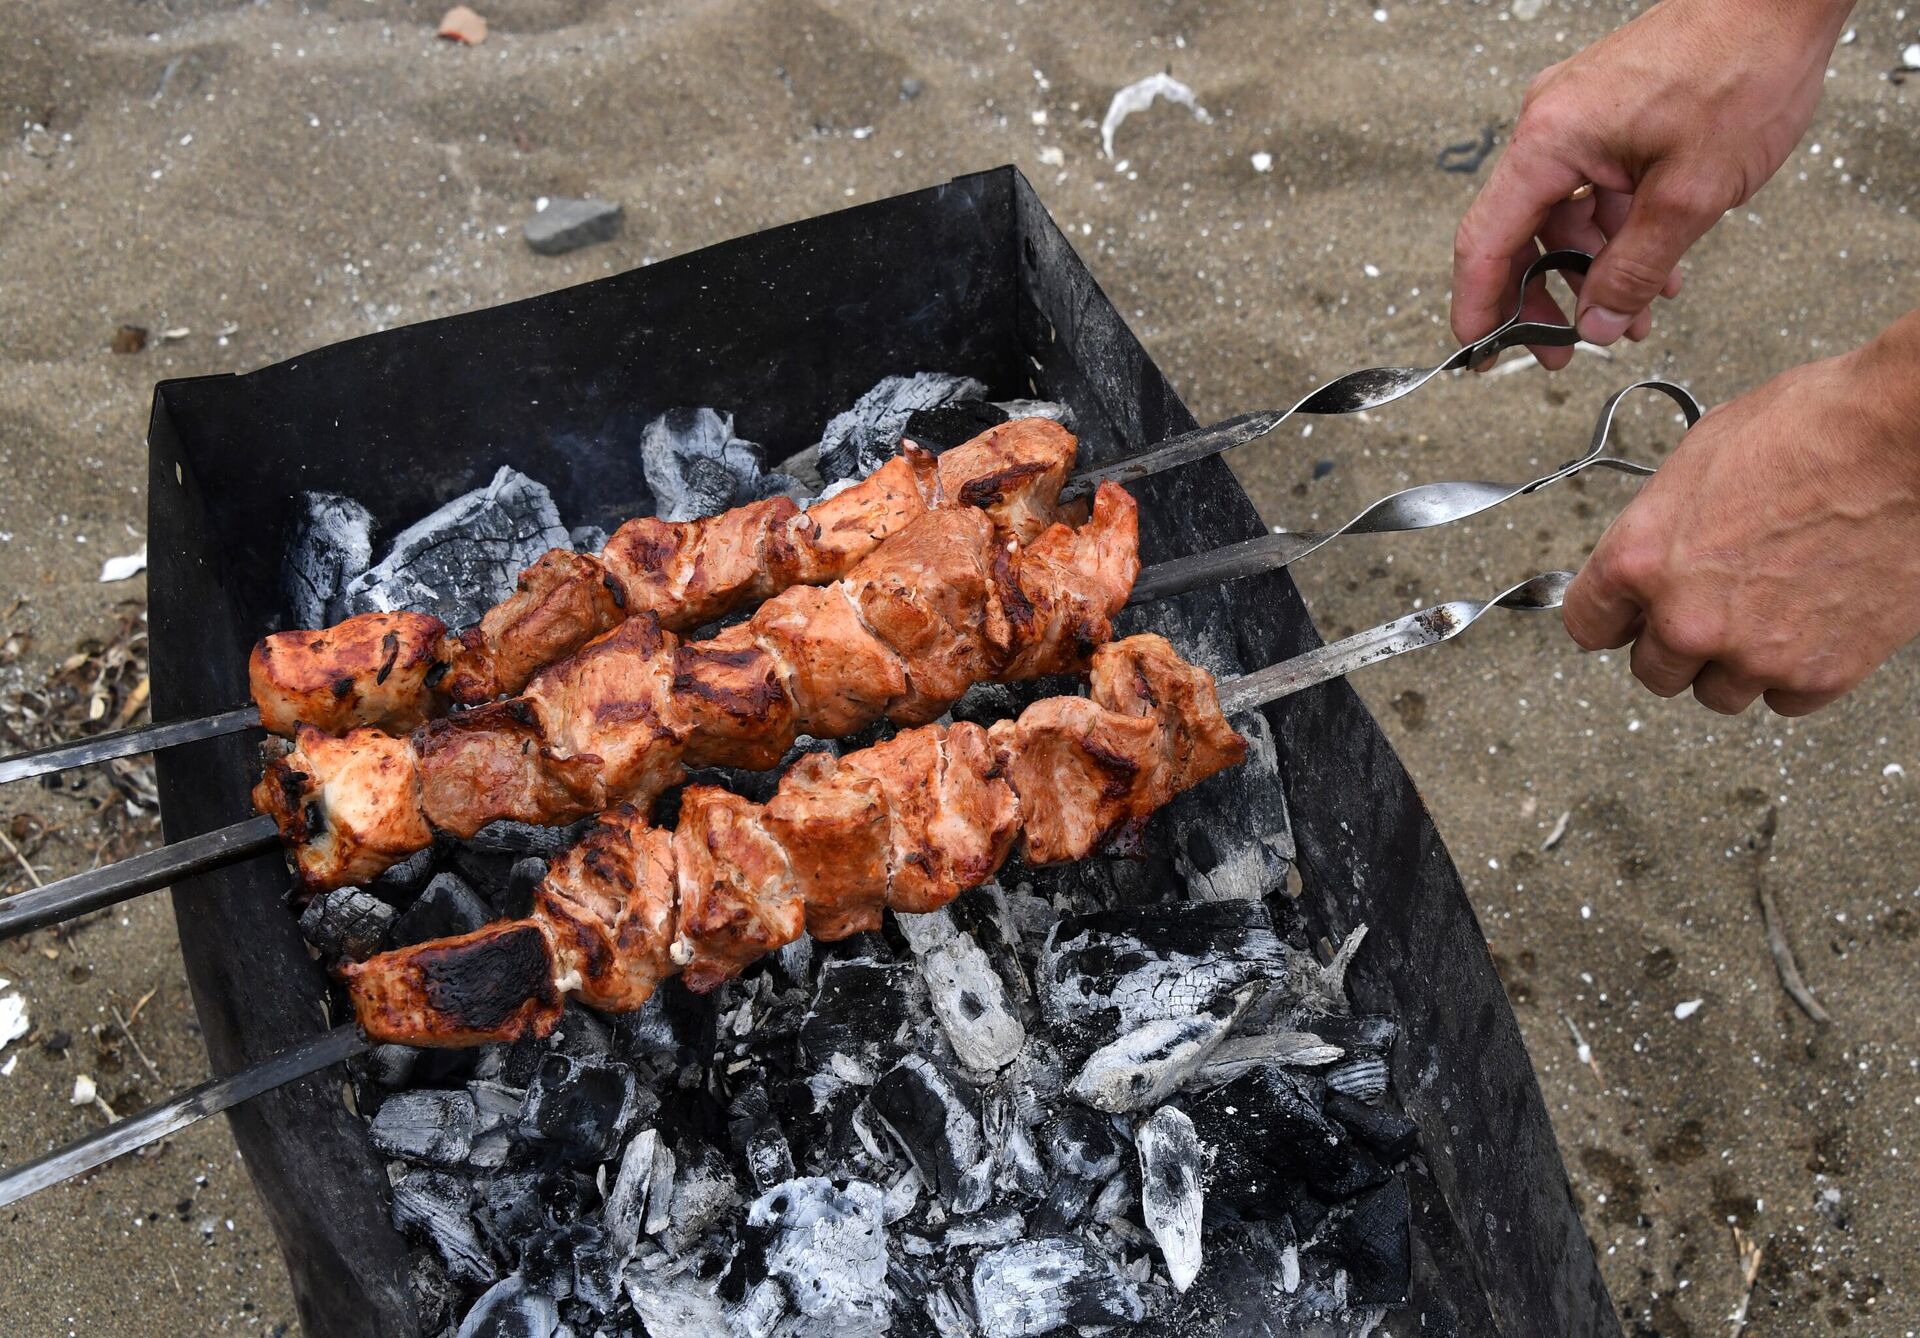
pixel 1296 1139
pixel 860 439
pixel 445 907
pixel 463 558
pixel 435 1205
pixel 853 1028
pixel 428 1126
pixel 581 1107
pixel 1036 1286
pixel 347 922
pixel 933 1116
pixel 510 1309
pixel 827 1246
pixel 332 544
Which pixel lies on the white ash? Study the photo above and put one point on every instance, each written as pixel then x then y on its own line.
pixel 332 544
pixel 1037 1286
pixel 829 1249
pixel 509 1307
pixel 1149 1064
pixel 697 467
pixel 966 993
pixel 859 440
pixel 464 557
pixel 1170 1194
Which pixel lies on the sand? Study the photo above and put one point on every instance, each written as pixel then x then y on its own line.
pixel 292 175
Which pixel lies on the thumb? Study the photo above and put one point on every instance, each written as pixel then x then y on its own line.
pixel 1670 212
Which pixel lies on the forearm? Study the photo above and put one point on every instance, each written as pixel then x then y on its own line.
pixel 1888 372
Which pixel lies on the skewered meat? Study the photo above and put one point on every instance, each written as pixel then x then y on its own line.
pixel 395 670
pixel 946 603
pixel 907 824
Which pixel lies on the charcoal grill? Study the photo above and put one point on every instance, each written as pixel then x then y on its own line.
pixel 973 277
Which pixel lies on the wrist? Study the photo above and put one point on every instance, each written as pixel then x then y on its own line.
pixel 1805 22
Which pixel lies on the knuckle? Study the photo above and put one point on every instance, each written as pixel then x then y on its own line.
pixel 1632 565
pixel 1635 276
pixel 1693 196
pixel 1695 636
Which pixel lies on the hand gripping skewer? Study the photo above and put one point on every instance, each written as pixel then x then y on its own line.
pixel 1428 627
pixel 1368 388
pixel 1415 508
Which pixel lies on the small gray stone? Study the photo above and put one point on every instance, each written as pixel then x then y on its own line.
pixel 567 225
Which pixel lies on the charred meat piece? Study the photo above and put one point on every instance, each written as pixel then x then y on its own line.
pixel 373 669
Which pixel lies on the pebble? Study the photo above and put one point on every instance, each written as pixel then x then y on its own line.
pixel 567 225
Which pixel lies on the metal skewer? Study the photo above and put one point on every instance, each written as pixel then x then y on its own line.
pixel 1416 508
pixel 1428 627
pixel 1413 509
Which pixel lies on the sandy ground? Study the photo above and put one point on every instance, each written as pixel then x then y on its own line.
pixel 292 175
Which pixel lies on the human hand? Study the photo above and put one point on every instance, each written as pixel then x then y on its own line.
pixel 1777 551
pixel 1675 118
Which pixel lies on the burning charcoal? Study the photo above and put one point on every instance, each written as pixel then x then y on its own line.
pixel 402 880
pixel 1170 1195
pixel 1033 919
pixel 948 1313
pixel 933 1118
pixel 447 907
pixel 987 1229
pixel 544 1260
pixel 523 877
pixel 966 993
pixel 582 1034
pixel 861 439
pixel 1241 1054
pixel 1295 1140
pixel 1233 839
pixel 828 1247
pixel 1148 1065
pixel 347 922
pixel 1362 1079
pixel 504 836
pixel 1373 1241
pixel 1036 1286
pixel 758 1138
pixel 587 538
pixel 1358 1035
pixel 697 467
pixel 596 1271
pixel 434 1203
pixel 465 557
pixel 704 1191
pixel 509 1309
pixel 1018 1160
pixel 858 1010
pixel 566 224
pixel 1054 409
pixel 676 1295
pixel 434 1295
pixel 435 1128
pixel 496 1122
pixel 626 1205
pixel 332 543
pixel 511 1211
pixel 1105 974
pixel 583 1107
pixel 385 1065
pixel 1387 1132
pixel 1081 1144
pixel 950 425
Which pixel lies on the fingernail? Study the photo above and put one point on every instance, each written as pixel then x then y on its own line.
pixel 1601 326
pixel 1486 364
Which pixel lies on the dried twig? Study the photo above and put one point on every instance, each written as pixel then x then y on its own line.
pixel 126 1030
pixel 1783 958
pixel 1748 1250
pixel 14 850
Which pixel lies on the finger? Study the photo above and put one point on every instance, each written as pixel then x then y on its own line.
pixel 1665 671
pixel 1610 215
pixel 1599 614
pixel 1669 213
pixel 1569 227
pixel 1782 702
pixel 1502 220
pixel 1719 688
pixel 1642 326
